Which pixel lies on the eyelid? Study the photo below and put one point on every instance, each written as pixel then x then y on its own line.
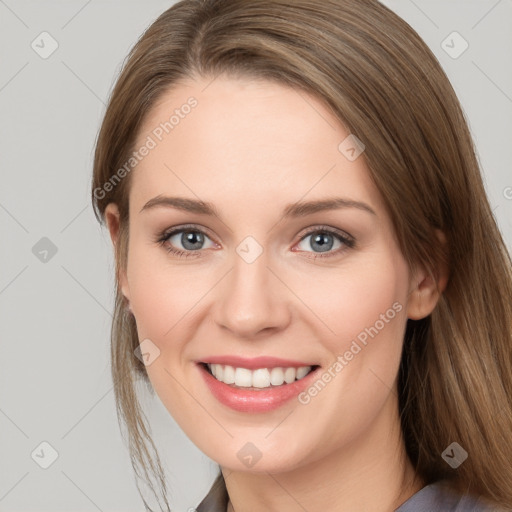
pixel 347 239
pixel 166 233
pixel 328 229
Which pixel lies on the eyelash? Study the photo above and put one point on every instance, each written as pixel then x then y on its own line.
pixel 163 237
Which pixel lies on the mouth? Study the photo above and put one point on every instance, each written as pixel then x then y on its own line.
pixel 259 389
pixel 259 378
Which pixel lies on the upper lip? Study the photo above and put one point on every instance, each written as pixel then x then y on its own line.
pixel 254 363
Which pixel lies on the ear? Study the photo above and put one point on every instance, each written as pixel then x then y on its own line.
pixel 112 219
pixel 425 289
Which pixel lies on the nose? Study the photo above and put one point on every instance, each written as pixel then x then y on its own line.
pixel 252 301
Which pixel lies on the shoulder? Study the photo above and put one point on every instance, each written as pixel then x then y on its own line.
pixel 217 498
pixel 439 496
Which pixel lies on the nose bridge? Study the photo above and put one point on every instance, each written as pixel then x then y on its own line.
pixel 250 300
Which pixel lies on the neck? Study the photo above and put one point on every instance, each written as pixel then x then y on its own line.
pixel 372 472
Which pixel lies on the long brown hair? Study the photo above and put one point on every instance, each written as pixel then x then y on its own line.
pixel 385 86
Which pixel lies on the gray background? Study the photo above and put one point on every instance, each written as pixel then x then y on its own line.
pixel 55 308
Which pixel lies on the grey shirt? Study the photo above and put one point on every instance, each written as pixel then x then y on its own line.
pixel 435 497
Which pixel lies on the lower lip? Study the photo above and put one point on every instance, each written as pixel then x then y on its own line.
pixel 247 400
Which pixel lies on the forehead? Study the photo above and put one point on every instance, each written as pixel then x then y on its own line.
pixel 225 137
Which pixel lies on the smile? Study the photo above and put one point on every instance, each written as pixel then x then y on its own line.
pixel 259 378
pixel 268 384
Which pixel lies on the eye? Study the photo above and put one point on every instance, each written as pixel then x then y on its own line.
pixel 324 239
pixel 190 238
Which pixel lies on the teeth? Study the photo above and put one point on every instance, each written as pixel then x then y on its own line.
pixel 229 374
pixel 276 376
pixel 219 371
pixel 289 375
pixel 260 378
pixel 302 371
pixel 243 377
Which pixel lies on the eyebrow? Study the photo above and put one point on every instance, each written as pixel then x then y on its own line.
pixel 300 209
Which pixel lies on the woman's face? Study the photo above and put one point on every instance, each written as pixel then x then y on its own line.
pixel 297 267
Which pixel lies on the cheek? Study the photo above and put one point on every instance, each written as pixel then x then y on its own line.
pixel 163 300
pixel 366 309
pixel 356 299
pixel 161 294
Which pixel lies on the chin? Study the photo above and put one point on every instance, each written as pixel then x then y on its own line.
pixel 259 456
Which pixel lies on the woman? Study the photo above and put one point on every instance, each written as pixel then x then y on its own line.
pixel 242 141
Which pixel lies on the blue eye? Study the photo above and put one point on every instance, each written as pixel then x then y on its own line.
pixel 324 239
pixel 192 240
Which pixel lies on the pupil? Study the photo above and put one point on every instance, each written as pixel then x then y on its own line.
pixel 321 240
pixel 193 238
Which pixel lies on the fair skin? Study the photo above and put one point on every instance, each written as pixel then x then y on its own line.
pixel 252 148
